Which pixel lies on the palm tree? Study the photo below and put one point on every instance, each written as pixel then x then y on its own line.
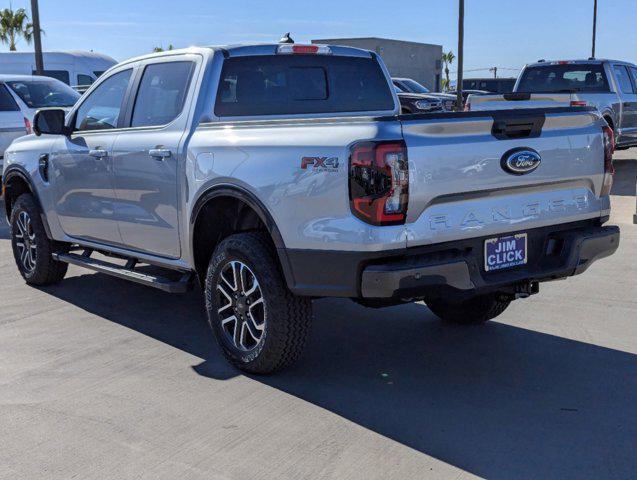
pixel 13 25
pixel 161 49
pixel 447 59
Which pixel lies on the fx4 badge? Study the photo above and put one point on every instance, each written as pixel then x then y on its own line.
pixel 320 164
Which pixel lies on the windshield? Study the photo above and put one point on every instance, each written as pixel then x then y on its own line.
pixel 44 93
pixel 414 86
pixel 564 78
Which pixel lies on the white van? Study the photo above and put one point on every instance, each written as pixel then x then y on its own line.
pixel 73 68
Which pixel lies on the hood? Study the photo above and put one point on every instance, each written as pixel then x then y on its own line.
pixel 418 96
pixel 442 96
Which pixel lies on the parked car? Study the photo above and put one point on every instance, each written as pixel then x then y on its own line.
pixel 418 102
pixel 493 85
pixel 201 163
pixel 608 85
pixel 78 69
pixel 410 85
pixel 466 93
pixel 20 97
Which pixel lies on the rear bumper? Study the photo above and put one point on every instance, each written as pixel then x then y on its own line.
pixel 451 268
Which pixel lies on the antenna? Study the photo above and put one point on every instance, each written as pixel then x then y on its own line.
pixel 286 38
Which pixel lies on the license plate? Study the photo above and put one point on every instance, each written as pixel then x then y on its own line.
pixel 505 252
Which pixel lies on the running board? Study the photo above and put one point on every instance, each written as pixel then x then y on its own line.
pixel 127 272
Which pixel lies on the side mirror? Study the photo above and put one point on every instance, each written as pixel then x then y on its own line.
pixel 50 121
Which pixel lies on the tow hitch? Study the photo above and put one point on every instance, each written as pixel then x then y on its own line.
pixel 526 289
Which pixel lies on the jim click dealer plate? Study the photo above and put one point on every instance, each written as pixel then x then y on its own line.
pixel 501 253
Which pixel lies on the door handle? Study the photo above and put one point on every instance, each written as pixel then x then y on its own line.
pixel 159 153
pixel 98 153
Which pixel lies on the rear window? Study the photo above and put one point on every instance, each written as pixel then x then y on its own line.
pixel 83 79
pixel 301 84
pixel 564 78
pixel 61 75
pixel 493 85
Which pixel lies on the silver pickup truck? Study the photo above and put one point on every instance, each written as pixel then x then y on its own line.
pixel 275 174
pixel 610 86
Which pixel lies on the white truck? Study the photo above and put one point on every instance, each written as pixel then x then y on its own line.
pixel 75 68
pixel 276 174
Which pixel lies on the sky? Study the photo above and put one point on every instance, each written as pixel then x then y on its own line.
pixel 502 33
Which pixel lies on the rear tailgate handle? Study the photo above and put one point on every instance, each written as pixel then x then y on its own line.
pixel 517 126
pixel 159 153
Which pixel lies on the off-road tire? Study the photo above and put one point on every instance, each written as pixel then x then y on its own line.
pixel 473 311
pixel 46 271
pixel 287 317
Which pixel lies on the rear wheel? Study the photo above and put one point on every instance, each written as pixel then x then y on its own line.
pixel 473 311
pixel 32 248
pixel 259 324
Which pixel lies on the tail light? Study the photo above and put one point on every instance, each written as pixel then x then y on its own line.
pixel 297 49
pixel 579 103
pixel 27 125
pixel 609 168
pixel 379 182
pixel 467 107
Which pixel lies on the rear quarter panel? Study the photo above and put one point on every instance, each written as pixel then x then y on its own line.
pixel 310 206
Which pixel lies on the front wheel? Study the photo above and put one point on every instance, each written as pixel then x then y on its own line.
pixel 475 310
pixel 32 248
pixel 259 324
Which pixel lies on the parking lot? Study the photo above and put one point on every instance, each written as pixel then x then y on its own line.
pixel 105 379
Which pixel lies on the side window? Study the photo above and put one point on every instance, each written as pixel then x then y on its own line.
pixel 100 111
pixel 7 103
pixel 162 93
pixel 84 79
pixel 61 75
pixel 621 74
pixel 633 73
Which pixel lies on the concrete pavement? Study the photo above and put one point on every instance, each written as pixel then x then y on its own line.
pixel 101 379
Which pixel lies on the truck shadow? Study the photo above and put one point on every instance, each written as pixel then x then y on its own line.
pixel 625 178
pixel 496 400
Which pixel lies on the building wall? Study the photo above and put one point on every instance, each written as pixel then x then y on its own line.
pixel 420 61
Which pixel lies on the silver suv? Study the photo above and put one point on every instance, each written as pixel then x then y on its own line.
pixel 21 96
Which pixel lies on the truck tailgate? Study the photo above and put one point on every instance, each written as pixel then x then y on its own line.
pixel 518 100
pixel 459 189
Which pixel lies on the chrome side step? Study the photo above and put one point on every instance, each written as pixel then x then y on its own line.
pixel 127 272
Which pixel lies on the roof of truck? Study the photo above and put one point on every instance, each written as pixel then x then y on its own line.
pixel 577 61
pixel 253 49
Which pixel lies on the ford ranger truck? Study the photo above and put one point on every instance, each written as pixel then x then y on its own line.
pixel 608 85
pixel 273 175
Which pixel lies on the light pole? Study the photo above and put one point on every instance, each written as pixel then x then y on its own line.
pixel 459 101
pixel 594 26
pixel 37 39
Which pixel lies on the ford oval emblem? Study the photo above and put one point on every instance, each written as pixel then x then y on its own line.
pixel 520 161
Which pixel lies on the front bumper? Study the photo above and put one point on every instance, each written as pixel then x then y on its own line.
pixel 450 268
